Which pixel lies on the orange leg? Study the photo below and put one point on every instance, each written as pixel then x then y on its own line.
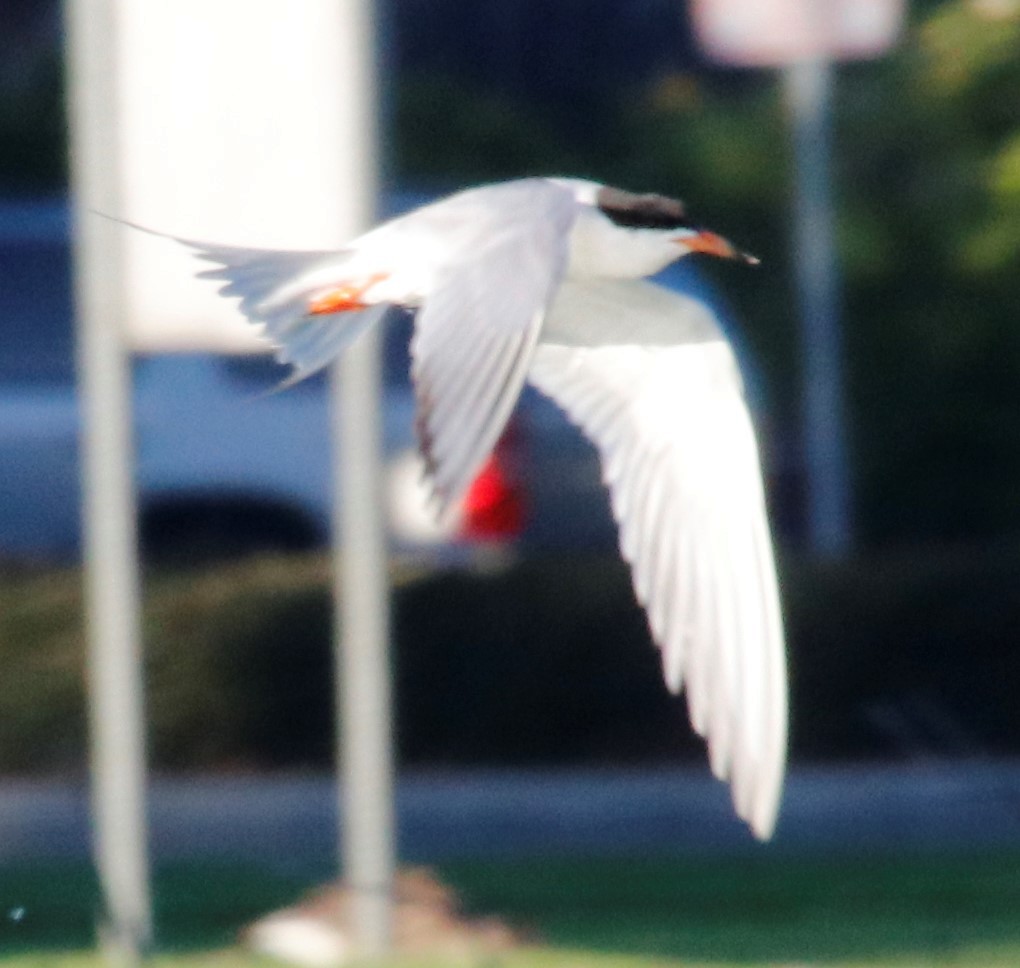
pixel 343 298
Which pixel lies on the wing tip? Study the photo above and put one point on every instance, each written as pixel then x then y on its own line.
pixel 762 821
pixel 757 800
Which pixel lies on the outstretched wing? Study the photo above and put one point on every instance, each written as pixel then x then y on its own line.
pixel 680 458
pixel 476 333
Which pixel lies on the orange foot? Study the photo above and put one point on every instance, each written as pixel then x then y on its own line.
pixel 344 298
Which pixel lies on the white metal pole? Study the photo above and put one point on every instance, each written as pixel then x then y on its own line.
pixel 808 88
pixel 108 512
pixel 365 741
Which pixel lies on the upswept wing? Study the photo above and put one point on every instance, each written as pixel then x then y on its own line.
pixel 475 336
pixel 680 458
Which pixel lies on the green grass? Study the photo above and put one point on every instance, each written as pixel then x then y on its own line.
pixel 959 910
pixel 744 911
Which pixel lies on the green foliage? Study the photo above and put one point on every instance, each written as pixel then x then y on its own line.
pixel 927 148
pixel 41 701
pixel 548 662
pixel 238 664
pixel 239 668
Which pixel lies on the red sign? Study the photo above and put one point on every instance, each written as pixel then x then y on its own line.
pixel 772 33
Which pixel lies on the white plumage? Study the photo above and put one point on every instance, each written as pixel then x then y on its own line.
pixel 539 279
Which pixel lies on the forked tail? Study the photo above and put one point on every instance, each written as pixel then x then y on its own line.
pixel 281 291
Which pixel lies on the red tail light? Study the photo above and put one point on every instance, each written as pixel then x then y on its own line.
pixel 494 507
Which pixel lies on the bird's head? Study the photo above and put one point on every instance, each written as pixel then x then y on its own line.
pixel 635 235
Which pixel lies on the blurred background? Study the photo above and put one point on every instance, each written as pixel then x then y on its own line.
pixel 519 651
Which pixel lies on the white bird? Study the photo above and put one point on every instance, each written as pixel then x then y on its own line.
pixel 541 280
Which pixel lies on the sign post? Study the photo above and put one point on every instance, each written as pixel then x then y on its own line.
pixel 112 593
pixel 808 88
pixel 246 124
pixel 361 572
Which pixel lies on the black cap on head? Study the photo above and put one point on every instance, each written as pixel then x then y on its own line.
pixel 642 211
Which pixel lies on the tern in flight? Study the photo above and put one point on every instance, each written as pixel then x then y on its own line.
pixel 542 280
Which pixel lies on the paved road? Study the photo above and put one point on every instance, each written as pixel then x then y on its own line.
pixel 290 820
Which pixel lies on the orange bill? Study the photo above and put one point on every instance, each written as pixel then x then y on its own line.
pixel 711 244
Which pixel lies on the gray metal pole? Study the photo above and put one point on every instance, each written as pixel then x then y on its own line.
pixel 365 740
pixel 111 568
pixel 808 88
pixel 368 839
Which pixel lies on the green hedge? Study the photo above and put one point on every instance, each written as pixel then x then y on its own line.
pixel 543 662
